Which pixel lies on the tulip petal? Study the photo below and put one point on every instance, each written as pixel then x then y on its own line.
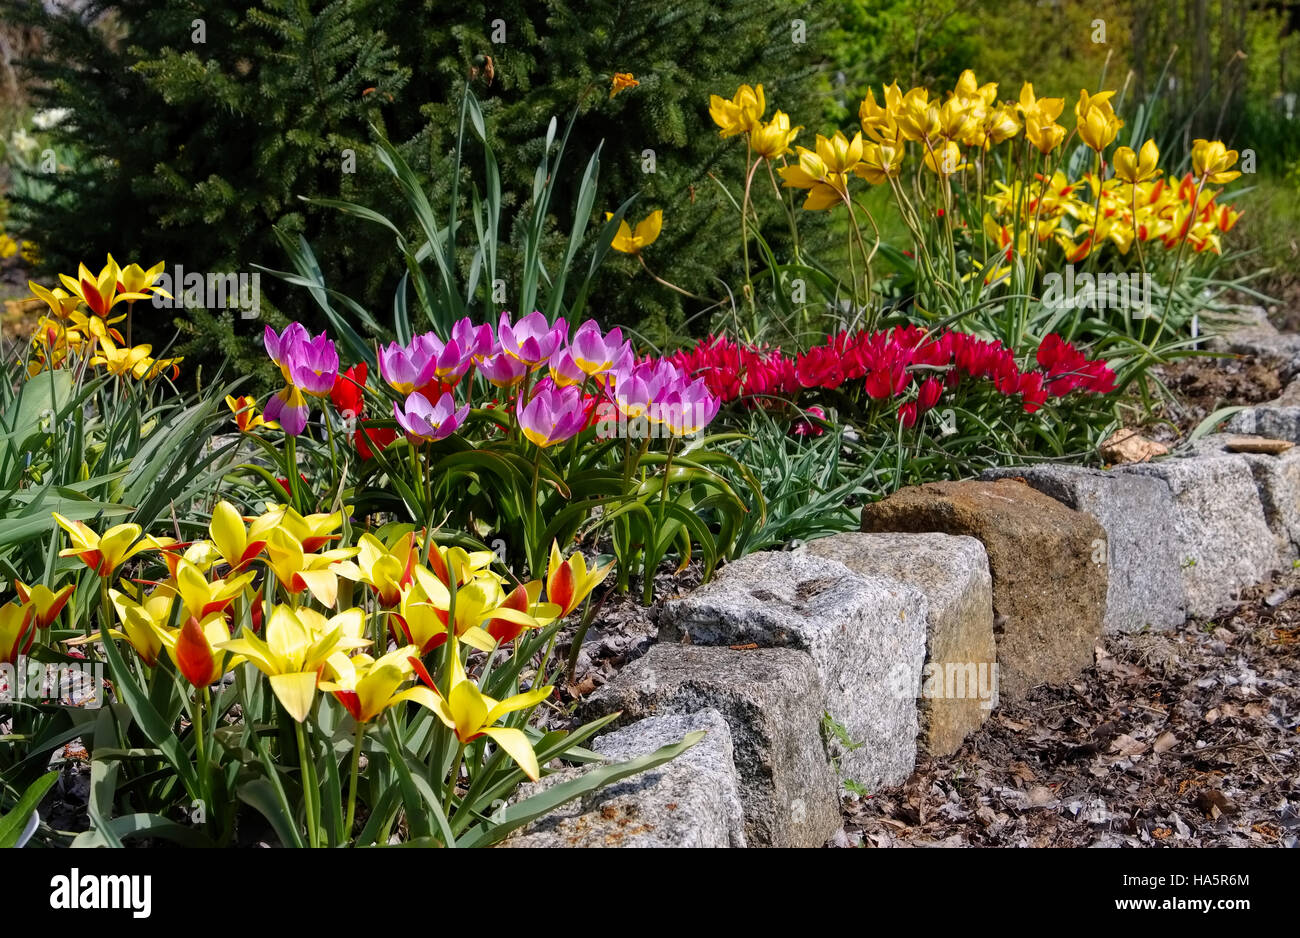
pixel 516 745
pixel 295 691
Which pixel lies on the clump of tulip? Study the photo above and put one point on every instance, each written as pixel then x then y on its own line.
pixel 392 622
pixel 909 366
pixel 68 335
pixel 553 383
pixel 980 181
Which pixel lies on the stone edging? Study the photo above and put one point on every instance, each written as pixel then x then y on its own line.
pixel 903 636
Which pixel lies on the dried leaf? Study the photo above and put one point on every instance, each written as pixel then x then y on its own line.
pixel 1126 445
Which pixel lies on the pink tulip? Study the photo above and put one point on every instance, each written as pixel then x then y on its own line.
pixel 564 370
pixel 553 415
pixel 592 352
pixel 532 339
pixel 477 342
pixel 430 422
pixel 289 409
pixel 308 363
pixel 502 370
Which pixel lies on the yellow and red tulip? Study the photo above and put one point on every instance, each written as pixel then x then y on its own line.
pixel 298 643
pixel 117 545
pixel 46 604
pixel 470 713
pixel 568 582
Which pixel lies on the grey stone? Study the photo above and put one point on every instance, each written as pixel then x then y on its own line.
pixel 959 681
pixel 1250 332
pixel 1279 421
pixel 773 704
pixel 1144 586
pixel 866 635
pixel 690 801
pixel 1221 537
pixel 1277 481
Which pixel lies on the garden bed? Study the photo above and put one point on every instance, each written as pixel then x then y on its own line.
pixel 1184 738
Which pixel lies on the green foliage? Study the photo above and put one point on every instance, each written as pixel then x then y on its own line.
pixel 199 148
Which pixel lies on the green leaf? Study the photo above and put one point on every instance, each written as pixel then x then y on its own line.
pixel 514 816
pixel 14 826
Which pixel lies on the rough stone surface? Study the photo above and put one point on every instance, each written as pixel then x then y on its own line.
pixel 952 572
pixel 1222 540
pixel 1253 334
pixel 866 636
pixel 1049 596
pixel 1144 583
pixel 1277 481
pixel 773 704
pixel 691 801
pixel 1276 420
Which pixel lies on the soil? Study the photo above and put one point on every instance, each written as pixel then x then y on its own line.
pixel 1185 738
pixel 1203 385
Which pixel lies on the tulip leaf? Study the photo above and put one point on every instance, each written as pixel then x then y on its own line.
pixel 158 730
pixel 114 831
pixel 14 826
pixel 268 799
pixel 514 816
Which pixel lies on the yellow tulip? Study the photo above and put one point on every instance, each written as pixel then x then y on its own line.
pixel 470 714
pixel 944 160
pixel 968 87
pixel 879 163
pixel 569 581
pixel 825 188
pixel 1136 167
pixel 1096 120
pixel 194 649
pixel 1212 162
pixel 125 362
pixel 17 631
pixel 1043 111
pixel 105 554
pixel 1045 136
pixel 628 241
pixel 367 687
pixel 620 82
pixel 741 114
pixel 44 602
pixel 773 139
pixel 201 597
pixel 143 618
pixel 386 570
pixel 247 417
pixel 314 531
pixel 60 302
pixel 918 119
pixel 298 644
pixel 99 292
pixel 133 279
pixel 231 539
pixel 298 570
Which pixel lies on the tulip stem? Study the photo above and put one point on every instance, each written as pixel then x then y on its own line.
pixel 357 739
pixel 308 786
pixel 201 747
pixel 455 777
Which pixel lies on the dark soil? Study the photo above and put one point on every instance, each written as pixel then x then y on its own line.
pixel 1203 385
pixel 1185 738
pixel 622 630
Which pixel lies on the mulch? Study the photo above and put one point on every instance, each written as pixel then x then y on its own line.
pixel 1185 738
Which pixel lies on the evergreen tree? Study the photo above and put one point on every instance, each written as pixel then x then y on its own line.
pixel 194 149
